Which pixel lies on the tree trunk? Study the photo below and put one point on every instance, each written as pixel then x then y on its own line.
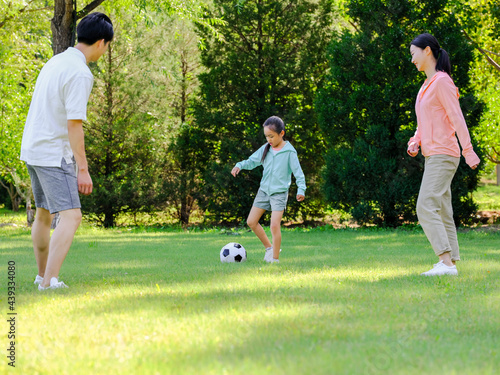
pixel 55 221
pixel 16 202
pixel 63 25
pixel 186 208
pixel 30 213
pixel 498 174
pixel 109 218
pixel 13 194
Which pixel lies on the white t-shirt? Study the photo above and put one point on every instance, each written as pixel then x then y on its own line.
pixel 62 91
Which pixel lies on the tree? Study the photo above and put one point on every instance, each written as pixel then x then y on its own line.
pixel 24 47
pixel 181 179
pixel 366 110
pixel 63 24
pixel 270 63
pixel 66 15
pixel 123 136
pixel 480 22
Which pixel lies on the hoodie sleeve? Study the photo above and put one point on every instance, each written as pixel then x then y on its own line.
pixel 300 179
pixel 253 161
pixel 447 94
pixel 416 137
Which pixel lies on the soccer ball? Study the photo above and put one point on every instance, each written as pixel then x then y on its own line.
pixel 233 252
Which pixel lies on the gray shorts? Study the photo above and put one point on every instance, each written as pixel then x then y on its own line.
pixel 274 202
pixel 55 188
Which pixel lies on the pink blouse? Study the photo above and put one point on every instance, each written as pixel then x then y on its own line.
pixel 439 118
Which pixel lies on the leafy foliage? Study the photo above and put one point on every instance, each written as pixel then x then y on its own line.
pixel 270 63
pixel 123 138
pixel 24 47
pixel 366 110
pixel 481 23
pixel 181 178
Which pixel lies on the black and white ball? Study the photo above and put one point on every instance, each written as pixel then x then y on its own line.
pixel 233 252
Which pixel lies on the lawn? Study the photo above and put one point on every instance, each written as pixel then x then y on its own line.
pixel 487 196
pixel 144 301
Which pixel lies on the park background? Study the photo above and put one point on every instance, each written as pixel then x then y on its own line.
pixel 183 92
pixel 179 98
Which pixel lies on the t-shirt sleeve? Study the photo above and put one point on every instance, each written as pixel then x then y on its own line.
pixel 76 96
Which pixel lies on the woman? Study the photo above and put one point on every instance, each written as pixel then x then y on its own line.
pixel 439 118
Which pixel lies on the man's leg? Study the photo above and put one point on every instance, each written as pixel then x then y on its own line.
pixel 40 234
pixel 60 242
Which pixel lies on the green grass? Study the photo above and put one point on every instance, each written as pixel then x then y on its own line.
pixel 10 217
pixel 340 302
pixel 487 197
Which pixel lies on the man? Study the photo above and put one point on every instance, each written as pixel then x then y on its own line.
pixel 53 145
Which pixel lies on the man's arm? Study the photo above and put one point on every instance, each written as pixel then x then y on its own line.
pixel 77 142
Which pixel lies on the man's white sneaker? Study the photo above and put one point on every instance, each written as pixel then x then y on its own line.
pixel 38 280
pixel 441 269
pixel 268 256
pixel 54 284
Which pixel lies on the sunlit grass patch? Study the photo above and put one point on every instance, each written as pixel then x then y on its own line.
pixel 340 301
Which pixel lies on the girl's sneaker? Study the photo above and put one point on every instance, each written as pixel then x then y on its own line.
pixel 268 256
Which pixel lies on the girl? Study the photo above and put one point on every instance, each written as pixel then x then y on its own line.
pixel 279 159
pixel 439 118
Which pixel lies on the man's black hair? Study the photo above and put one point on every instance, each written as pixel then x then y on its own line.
pixel 94 27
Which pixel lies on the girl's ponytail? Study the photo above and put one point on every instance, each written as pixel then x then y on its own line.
pixel 266 150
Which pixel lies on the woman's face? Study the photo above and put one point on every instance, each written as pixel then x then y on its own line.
pixel 420 57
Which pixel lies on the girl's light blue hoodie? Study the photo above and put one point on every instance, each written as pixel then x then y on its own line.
pixel 278 169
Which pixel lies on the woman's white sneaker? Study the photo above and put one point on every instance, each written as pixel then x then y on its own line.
pixel 441 269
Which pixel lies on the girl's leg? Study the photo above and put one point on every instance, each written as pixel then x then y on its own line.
pixel 276 232
pixel 253 222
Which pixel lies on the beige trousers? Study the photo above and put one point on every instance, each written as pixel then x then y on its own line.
pixel 434 209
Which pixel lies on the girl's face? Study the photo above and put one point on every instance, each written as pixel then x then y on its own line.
pixel 274 139
pixel 421 57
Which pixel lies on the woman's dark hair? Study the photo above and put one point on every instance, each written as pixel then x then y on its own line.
pixel 276 125
pixel 93 27
pixel 443 60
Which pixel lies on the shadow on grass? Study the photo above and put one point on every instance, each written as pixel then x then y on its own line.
pixel 339 302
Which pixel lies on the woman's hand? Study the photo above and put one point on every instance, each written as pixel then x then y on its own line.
pixel 413 149
pixel 235 171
